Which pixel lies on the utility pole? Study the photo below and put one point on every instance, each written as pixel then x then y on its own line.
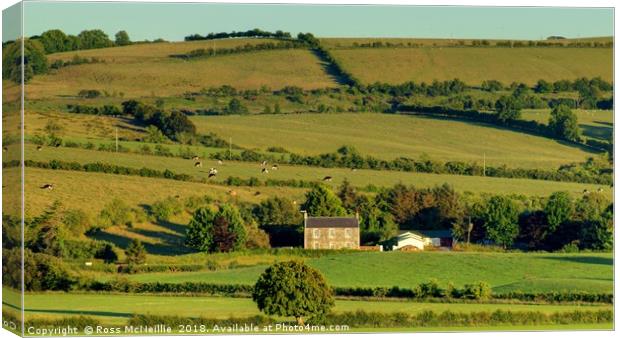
pixel 116 137
pixel 484 164
pixel 230 148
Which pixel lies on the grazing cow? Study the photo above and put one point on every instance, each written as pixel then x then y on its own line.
pixel 212 175
pixel 264 163
pixel 353 169
pixel 213 171
pixel 198 164
pixel 274 167
pixel 585 191
pixel 48 186
pixel 600 190
pixel 265 171
pixel 327 178
pixel 220 162
pixel 232 193
pixel 195 158
pixel 39 148
pixel 4 149
pixel 257 193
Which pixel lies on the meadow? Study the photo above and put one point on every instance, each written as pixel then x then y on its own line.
pixel 168 76
pixel 505 272
pixel 360 178
pixel 474 65
pixel 389 136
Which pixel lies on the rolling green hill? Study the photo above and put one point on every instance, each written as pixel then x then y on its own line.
pixel 393 136
pixel 474 65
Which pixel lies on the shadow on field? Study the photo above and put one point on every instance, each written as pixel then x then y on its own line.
pixel 78 312
pixel 600 132
pixel 584 259
pixel 329 69
pixel 173 245
pixel 494 126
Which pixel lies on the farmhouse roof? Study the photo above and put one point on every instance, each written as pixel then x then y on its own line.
pixel 428 233
pixel 332 222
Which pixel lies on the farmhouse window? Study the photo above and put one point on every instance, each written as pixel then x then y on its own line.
pixel 316 245
pixel 332 233
pixel 331 245
pixel 316 233
pixel 347 233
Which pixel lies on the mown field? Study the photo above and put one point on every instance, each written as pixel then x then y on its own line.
pixel 505 272
pixel 117 309
pixel 168 76
pixel 361 177
pixel 392 136
pixel 474 65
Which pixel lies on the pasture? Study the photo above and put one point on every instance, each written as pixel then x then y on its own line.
pixel 116 309
pixel 474 65
pixel 169 77
pixel 360 178
pixel 505 272
pixel 391 136
pixel 598 124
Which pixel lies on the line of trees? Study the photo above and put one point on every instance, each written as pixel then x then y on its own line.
pixel 253 33
pixel 593 171
pixel 247 48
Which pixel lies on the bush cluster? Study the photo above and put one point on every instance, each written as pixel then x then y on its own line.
pixel 247 48
pixel 253 33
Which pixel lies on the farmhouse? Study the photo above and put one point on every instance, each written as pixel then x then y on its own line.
pixel 331 232
pixel 419 239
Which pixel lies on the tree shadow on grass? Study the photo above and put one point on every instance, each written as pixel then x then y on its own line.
pixel 583 259
pixel 599 132
pixel 83 312
pixel 164 249
pixel 330 69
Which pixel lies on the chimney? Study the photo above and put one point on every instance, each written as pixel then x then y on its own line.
pixel 305 217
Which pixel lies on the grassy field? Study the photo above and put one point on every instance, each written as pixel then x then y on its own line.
pixel 435 42
pixel 147 52
pixel 505 272
pixel 475 184
pixel 474 65
pixel 91 191
pixel 392 136
pixel 598 124
pixel 168 76
pixel 116 309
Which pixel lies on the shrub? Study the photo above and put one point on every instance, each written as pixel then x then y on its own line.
pixel 163 210
pixel 135 253
pixel 115 213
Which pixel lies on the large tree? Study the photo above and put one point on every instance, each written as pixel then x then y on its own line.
pixel 211 230
pixel 94 38
pixel 321 201
pixel 135 252
pixel 35 61
pixel 122 39
pixel 559 209
pixel 563 123
pixel 293 289
pixel 500 218
pixel 507 108
pixel 54 41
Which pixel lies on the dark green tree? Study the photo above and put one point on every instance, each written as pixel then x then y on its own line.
pixel 54 41
pixel 135 252
pixel 122 38
pixel 201 231
pixel 347 195
pixel 543 86
pixel 500 218
pixel 278 211
pixel 563 123
pixel 507 108
pixel 293 289
pixel 94 38
pixel 35 61
pixel 321 201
